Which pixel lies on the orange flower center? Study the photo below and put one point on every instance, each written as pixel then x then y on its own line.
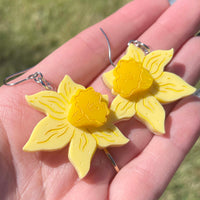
pixel 88 109
pixel 131 78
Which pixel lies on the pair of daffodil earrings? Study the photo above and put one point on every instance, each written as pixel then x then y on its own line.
pixel 81 116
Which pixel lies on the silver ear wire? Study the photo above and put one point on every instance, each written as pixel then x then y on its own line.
pixel 109 48
pixel 15 75
pixel 137 43
pixel 37 77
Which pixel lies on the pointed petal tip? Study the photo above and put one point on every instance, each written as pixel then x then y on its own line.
pixel 67 77
pixel 24 148
pixel 170 53
pixel 159 132
pixel 82 175
pixel 174 88
pixel 30 98
pixel 30 147
pixel 193 90
pixel 27 97
pixel 27 148
pixel 110 137
pixel 126 140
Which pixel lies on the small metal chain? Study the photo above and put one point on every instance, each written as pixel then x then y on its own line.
pixel 38 78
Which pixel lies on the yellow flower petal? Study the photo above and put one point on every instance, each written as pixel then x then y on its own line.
pixel 171 87
pixel 135 53
pixel 108 79
pixel 68 88
pixel 49 134
pixel 151 113
pixel 155 61
pixel 81 151
pixel 122 108
pixel 48 102
pixel 109 136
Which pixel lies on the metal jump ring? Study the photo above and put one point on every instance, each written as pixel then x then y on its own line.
pixel 141 45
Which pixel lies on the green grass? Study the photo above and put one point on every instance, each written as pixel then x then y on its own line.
pixel 30 30
pixel 185 185
pixel 198 85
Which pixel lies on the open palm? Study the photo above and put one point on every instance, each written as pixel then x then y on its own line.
pixel 147 162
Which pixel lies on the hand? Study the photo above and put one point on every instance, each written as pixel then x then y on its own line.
pixel 147 162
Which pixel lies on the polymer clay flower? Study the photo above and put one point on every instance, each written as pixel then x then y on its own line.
pixel 76 115
pixel 141 86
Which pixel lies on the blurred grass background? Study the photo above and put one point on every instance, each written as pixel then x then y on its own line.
pixel 30 30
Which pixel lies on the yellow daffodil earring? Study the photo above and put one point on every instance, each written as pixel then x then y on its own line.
pixel 141 85
pixel 74 115
pixel 80 116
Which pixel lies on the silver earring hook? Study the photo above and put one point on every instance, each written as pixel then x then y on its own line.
pixel 137 43
pixel 109 48
pixel 37 77
pixel 12 76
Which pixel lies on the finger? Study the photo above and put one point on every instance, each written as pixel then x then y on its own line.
pixel 153 169
pixel 175 26
pixel 186 63
pixel 84 56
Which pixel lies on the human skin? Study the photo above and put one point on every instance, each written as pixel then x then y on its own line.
pixel 147 162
